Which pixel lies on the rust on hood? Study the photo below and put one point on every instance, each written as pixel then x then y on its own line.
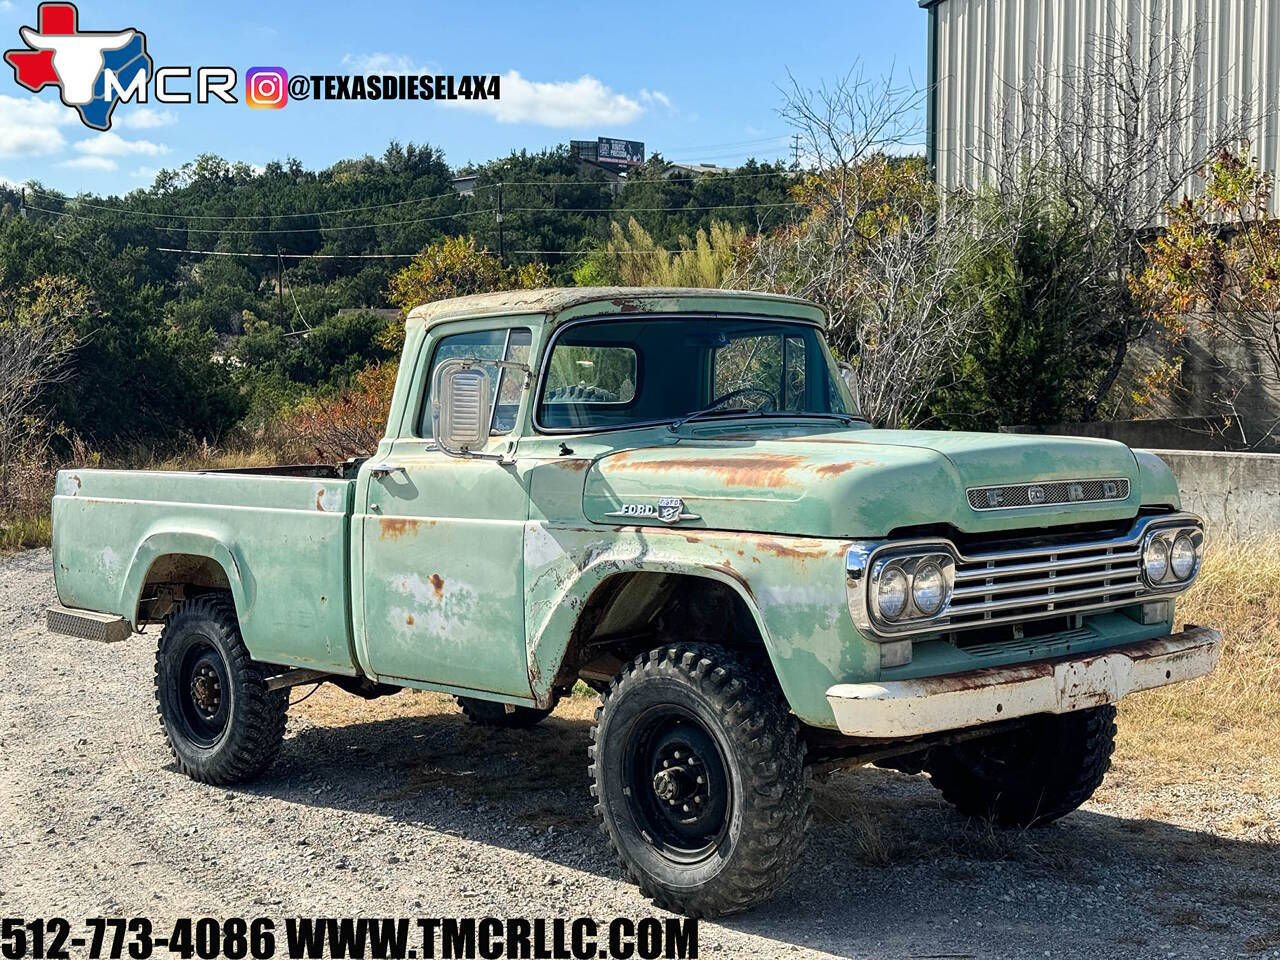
pixel 760 470
pixel 437 584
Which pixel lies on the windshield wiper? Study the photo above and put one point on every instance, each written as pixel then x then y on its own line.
pixel 707 411
pixel 743 411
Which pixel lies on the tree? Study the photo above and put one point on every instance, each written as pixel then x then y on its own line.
pixel 456 267
pixel 877 248
pixel 1217 267
pixel 1117 135
pixel 37 337
pixel 1036 356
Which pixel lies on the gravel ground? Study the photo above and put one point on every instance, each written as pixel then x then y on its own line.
pixel 399 808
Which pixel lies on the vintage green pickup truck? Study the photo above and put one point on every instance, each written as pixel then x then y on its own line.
pixel 670 496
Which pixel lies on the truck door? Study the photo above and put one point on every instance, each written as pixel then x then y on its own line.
pixel 442 540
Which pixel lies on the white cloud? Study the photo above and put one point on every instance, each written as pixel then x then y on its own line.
pixel 113 145
pixel 145 118
pixel 89 162
pixel 31 128
pixel 11 184
pixel 658 97
pixel 6 6
pixel 398 63
pixel 144 173
pixel 584 102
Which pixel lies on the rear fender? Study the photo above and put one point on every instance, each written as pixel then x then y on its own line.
pixel 180 543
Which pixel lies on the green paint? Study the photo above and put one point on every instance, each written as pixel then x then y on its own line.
pixel 469 575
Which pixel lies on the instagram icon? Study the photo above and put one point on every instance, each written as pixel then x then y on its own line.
pixel 266 88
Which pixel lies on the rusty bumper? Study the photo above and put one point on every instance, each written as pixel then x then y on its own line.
pixel 906 708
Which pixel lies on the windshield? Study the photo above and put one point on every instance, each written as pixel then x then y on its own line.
pixel 613 373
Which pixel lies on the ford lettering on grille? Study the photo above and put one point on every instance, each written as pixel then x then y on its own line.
pixel 1012 496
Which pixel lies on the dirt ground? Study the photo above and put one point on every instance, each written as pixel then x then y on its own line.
pixel 400 808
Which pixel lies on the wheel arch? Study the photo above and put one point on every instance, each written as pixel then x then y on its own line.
pixel 185 559
pixel 617 611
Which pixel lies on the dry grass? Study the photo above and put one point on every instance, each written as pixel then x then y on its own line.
pixel 1226 725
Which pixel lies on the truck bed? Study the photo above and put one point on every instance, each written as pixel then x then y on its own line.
pixel 279 540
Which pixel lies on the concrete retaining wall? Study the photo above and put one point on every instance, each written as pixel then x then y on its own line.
pixel 1238 494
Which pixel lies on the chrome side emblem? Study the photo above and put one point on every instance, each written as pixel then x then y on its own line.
pixel 667 509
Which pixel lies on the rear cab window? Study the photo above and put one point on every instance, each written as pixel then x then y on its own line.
pixel 508 343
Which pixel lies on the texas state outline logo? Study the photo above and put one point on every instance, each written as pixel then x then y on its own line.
pixel 92 69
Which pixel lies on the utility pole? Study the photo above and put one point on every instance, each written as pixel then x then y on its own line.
pixel 280 289
pixel 795 151
pixel 22 209
pixel 502 255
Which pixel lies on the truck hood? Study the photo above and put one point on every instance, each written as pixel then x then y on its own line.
pixel 853 483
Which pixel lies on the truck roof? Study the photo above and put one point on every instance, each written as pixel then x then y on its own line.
pixel 586 301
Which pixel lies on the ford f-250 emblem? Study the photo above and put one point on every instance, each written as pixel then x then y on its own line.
pixel 667 509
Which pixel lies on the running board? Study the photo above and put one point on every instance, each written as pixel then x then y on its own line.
pixel 88 624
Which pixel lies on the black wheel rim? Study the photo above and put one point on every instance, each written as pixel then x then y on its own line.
pixel 204 693
pixel 676 784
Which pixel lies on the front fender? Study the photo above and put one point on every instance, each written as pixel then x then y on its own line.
pixel 182 543
pixel 792 586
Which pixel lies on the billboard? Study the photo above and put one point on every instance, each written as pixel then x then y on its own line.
pixel 624 153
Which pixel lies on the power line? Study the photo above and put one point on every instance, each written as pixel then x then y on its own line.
pixel 351 226
pixel 245 216
pixel 288 256
pixel 130 211
pixel 450 216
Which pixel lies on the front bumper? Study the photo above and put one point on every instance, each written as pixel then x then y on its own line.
pixel 909 708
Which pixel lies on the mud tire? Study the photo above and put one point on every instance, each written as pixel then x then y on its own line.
pixel 745 720
pixel 241 738
pixel 1030 776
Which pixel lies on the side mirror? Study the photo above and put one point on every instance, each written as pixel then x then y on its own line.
pixel 461 406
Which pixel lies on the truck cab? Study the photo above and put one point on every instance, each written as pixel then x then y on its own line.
pixel 668 495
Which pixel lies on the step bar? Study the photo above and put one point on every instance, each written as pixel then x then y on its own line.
pixel 88 624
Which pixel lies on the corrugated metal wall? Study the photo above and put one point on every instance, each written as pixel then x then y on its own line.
pixel 985 49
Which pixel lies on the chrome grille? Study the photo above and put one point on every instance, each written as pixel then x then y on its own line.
pixel 1048 493
pixel 1023 585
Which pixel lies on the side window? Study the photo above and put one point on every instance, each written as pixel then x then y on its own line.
pixel 512 344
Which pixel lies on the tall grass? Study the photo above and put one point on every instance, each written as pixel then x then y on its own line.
pixel 1227 723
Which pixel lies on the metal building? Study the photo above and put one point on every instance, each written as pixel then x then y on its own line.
pixel 982 52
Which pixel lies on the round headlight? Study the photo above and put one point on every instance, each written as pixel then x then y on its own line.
pixel 1182 558
pixel 928 589
pixel 1155 559
pixel 891 593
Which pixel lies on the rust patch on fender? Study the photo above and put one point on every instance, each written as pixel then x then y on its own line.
pixel 395 528
pixel 437 584
pixel 408 621
pixel 733 574
pixel 320 499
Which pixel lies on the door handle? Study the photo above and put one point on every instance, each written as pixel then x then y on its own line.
pixel 383 469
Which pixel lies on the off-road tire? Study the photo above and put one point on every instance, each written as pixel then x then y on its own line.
pixel 741 709
pixel 253 726
pixel 490 713
pixel 1029 776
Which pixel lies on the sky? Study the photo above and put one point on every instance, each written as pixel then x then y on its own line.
pixel 697 82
